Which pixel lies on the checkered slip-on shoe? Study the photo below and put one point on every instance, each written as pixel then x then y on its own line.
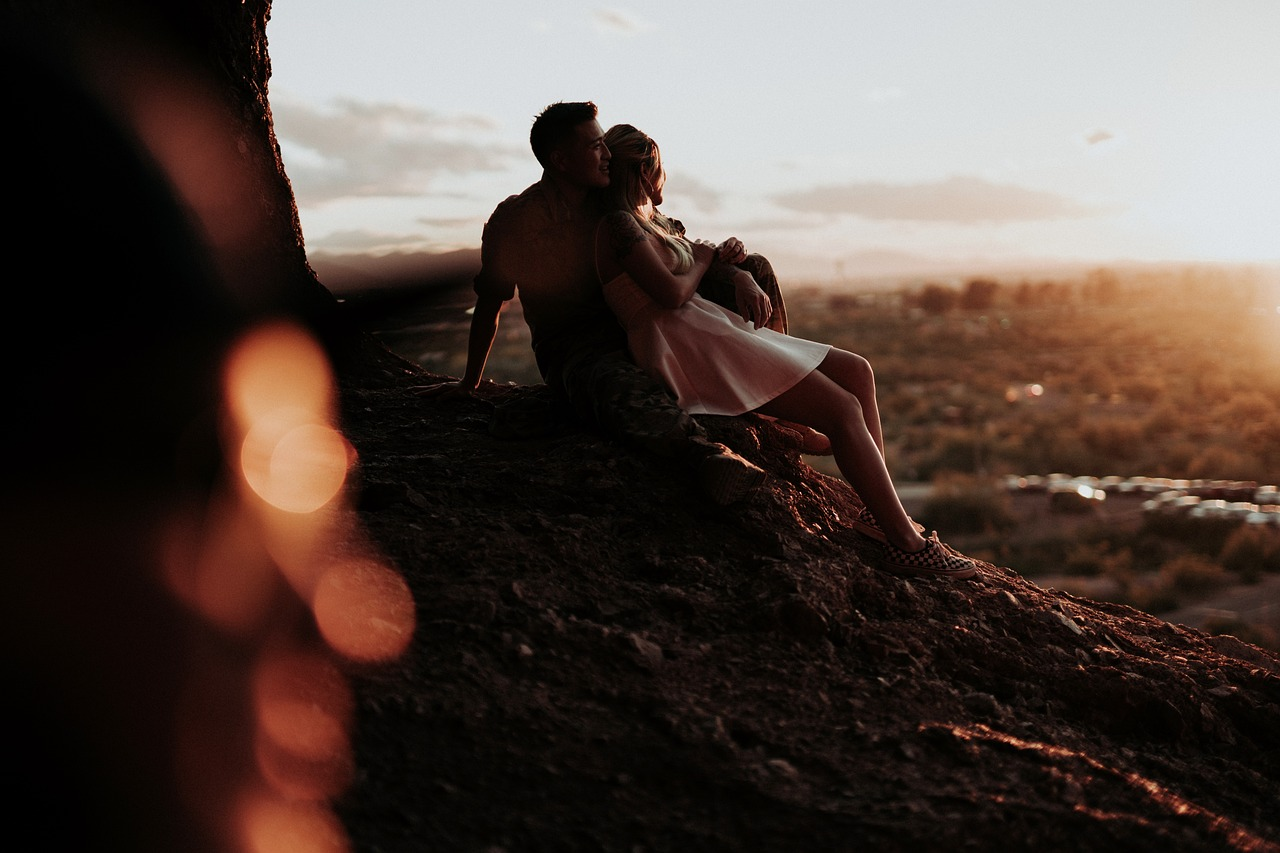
pixel 934 560
pixel 728 479
pixel 865 523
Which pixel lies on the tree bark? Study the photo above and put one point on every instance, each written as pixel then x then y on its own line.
pixel 189 79
pixel 151 225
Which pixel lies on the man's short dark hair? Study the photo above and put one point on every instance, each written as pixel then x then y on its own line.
pixel 554 126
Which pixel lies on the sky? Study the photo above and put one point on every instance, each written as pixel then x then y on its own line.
pixel 838 138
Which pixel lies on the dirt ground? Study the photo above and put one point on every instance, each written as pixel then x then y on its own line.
pixel 603 661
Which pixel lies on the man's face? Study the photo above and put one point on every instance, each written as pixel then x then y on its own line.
pixel 584 159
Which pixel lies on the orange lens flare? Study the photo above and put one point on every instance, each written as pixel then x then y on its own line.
pixel 220 568
pixel 279 393
pixel 295 465
pixel 365 611
pixel 270 825
pixel 303 703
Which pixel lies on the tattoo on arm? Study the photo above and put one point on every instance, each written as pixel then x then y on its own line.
pixel 624 233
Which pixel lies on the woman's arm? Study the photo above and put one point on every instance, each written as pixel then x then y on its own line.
pixel 623 246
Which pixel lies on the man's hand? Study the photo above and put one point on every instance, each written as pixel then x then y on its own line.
pixel 446 390
pixel 753 303
pixel 732 251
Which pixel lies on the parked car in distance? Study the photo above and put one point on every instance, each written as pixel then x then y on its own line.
pixel 1075 497
pixel 1112 484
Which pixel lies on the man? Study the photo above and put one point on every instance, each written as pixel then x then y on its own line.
pixel 541 243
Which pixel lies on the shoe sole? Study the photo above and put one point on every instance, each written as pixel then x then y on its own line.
pixel 967 568
pixel 919 572
pixel 742 491
pixel 734 484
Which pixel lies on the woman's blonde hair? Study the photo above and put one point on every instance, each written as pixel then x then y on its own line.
pixel 634 161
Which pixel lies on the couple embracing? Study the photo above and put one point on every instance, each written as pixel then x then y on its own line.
pixel 638 327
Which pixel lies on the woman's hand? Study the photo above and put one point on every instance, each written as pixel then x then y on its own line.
pixel 754 304
pixel 704 253
pixel 732 251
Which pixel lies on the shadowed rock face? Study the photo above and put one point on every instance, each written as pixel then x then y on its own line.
pixel 603 661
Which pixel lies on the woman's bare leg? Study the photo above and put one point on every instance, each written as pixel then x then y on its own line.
pixel 822 403
pixel 853 373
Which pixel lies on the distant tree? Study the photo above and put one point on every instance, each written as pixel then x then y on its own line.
pixel 966 504
pixel 1251 550
pixel 979 294
pixel 1218 462
pixel 937 299
pixel 1101 286
pixel 1193 574
pixel 1249 407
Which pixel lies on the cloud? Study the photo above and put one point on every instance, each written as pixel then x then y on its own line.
pixel 1094 137
pixel 359 149
pixel 956 199
pixel 614 21
pixel 361 240
pixel 685 186
pixel 449 221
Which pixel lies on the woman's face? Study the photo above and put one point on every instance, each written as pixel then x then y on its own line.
pixel 653 180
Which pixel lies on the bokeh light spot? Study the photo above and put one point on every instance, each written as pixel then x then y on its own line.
pixel 364 610
pixel 219 568
pixel 277 367
pixel 303 777
pixel 276 826
pixel 297 467
pixel 303 703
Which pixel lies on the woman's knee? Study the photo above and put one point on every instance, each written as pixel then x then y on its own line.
pixel 851 370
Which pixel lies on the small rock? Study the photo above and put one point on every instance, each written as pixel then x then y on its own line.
pixel 982 704
pixel 783 768
pixel 648 653
pixel 801 619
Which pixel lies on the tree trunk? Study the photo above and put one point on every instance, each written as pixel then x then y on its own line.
pixel 189 80
pixel 151 225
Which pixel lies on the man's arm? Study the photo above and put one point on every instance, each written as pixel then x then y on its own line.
pixel 484 329
pixel 736 280
pixel 728 284
pixel 492 289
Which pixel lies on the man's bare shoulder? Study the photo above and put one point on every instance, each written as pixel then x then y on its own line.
pixel 529 204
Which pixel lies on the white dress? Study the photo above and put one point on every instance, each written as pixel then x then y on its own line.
pixel 715 362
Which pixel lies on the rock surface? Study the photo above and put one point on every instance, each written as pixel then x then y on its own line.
pixel 605 661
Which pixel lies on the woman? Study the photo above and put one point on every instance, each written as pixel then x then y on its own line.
pixel 722 363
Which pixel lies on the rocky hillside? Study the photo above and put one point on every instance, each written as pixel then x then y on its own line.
pixel 604 661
